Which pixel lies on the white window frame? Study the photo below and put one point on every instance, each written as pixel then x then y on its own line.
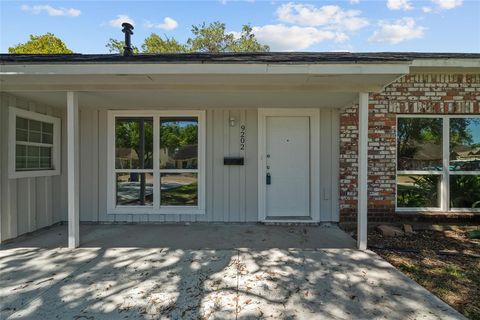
pixel 12 141
pixel 112 207
pixel 444 174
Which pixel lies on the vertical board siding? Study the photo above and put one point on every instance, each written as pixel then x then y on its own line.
pixel 231 191
pixel 27 204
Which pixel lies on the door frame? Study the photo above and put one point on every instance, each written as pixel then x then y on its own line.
pixel 314 115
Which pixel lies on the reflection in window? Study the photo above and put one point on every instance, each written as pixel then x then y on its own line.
pixel 419 144
pixel 464 144
pixel 178 143
pixel 134 189
pixel 179 189
pixel 416 191
pixel 133 143
pixel 465 191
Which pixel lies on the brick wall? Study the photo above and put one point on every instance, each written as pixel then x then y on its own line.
pixel 419 94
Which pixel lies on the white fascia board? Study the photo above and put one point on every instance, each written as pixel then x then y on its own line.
pixel 447 63
pixel 183 68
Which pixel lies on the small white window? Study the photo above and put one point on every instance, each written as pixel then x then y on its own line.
pixel 156 162
pixel 34 144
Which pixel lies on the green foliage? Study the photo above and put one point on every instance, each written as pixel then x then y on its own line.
pixel 43 44
pixel 464 191
pixel 116 46
pixel 417 130
pixel 423 192
pixel 156 44
pixel 212 38
pixel 127 135
pixel 248 42
pixel 172 135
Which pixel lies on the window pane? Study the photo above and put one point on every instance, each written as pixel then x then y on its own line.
pixel 464 191
pixel 35 125
pixel 46 151
pixel 47 127
pixel 416 191
pixel 20 163
pixel 179 143
pixel 133 143
pixel 134 189
pixel 33 151
pixel 47 138
pixel 22 123
pixel 419 144
pixel 179 189
pixel 45 163
pixel 33 162
pixel 22 135
pixel 465 144
pixel 34 136
pixel 20 150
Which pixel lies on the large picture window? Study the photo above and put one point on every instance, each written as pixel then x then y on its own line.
pixel 156 162
pixel 438 163
pixel 34 144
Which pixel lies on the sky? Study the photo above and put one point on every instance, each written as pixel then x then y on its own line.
pixel 347 25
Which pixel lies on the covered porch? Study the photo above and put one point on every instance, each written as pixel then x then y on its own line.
pixel 205 271
pixel 84 86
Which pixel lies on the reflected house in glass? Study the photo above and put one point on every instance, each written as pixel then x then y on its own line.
pixel 342 138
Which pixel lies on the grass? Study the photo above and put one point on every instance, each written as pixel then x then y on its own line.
pixel 454 278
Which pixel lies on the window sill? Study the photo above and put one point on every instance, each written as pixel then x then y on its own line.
pixel 33 174
pixel 164 211
pixel 432 213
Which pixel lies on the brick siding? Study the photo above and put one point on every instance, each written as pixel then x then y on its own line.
pixel 412 94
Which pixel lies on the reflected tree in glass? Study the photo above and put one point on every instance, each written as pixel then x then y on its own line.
pixel 419 143
pixel 134 147
pixel 464 144
pixel 416 191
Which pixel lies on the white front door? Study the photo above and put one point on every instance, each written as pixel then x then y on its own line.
pixel 287 171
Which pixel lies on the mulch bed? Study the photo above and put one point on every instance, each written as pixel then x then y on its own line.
pixel 446 262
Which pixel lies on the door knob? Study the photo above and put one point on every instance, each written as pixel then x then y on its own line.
pixel 269 178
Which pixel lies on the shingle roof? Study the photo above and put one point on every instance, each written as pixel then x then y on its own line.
pixel 268 57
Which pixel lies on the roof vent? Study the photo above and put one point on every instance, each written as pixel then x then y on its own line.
pixel 127 29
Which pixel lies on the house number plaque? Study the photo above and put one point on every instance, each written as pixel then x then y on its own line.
pixel 242 136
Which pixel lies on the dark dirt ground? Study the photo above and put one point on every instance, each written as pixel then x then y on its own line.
pixel 445 261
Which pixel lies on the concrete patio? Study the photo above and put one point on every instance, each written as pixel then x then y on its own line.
pixel 205 272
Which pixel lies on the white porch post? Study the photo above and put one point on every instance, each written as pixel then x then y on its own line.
pixel 362 206
pixel 73 169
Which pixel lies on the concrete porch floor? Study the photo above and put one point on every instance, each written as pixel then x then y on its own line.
pixel 205 272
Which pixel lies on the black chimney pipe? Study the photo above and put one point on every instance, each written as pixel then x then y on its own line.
pixel 127 29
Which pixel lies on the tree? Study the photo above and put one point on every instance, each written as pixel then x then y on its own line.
pixel 156 44
pixel 43 44
pixel 248 42
pixel 212 38
pixel 116 46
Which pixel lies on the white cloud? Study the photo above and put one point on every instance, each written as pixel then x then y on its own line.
pixel 168 24
pixel 330 16
pixel 399 5
pixel 121 18
pixel 447 4
pixel 51 11
pixel 398 31
pixel 290 38
pixel 354 1
pixel 427 9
